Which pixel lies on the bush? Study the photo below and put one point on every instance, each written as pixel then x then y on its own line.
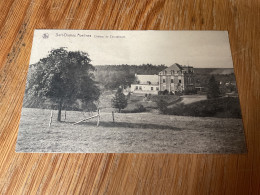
pixel 162 105
pixel 179 93
pixel 222 108
pixel 165 92
pixel 138 108
pixel 190 91
pixel 160 93
pixel 169 99
pixel 148 97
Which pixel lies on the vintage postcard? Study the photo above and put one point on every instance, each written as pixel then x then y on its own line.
pixel 93 91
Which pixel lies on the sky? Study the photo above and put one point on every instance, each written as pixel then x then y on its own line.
pixel 200 49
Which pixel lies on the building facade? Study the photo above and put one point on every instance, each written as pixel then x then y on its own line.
pixel 175 78
pixel 145 84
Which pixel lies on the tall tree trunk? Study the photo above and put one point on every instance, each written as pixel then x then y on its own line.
pixel 59 111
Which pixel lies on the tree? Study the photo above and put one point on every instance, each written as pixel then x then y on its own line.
pixel 63 77
pixel 213 88
pixel 120 100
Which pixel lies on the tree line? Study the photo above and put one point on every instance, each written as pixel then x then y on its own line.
pixel 113 76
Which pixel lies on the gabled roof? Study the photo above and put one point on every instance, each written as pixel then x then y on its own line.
pixel 176 67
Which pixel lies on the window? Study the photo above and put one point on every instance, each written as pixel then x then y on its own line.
pixel 140 87
pixel 136 87
pixel 179 81
pixel 171 80
pixel 165 72
pixel 151 88
pixel 157 88
pixel 163 81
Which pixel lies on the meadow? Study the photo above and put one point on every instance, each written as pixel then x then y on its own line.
pixel 130 133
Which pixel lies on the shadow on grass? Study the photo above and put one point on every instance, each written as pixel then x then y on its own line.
pixel 128 125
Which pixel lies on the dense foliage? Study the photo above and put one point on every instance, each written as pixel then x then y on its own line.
pixel 63 77
pixel 226 107
pixel 223 75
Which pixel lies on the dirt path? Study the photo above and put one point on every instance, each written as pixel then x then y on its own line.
pixel 188 99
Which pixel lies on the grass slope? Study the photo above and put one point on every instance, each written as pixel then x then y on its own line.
pixel 141 133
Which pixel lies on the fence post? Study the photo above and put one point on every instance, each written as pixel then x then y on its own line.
pixel 65 115
pixel 113 116
pixel 50 119
pixel 98 118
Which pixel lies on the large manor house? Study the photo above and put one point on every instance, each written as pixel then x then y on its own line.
pixel 175 78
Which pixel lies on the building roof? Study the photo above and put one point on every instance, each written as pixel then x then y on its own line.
pixel 176 67
pixel 145 79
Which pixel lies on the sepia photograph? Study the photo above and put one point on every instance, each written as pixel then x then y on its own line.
pixel 101 91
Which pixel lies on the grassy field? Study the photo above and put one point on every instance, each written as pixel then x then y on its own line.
pixel 131 132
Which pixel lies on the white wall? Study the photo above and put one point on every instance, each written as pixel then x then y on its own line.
pixel 145 89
